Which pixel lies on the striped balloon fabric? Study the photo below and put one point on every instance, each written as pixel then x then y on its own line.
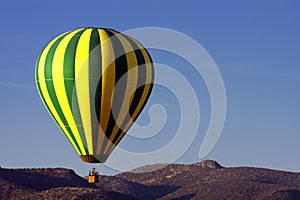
pixel 95 83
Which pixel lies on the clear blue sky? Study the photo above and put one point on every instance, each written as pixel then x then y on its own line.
pixel 255 44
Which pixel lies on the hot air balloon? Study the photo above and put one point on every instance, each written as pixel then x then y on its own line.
pixel 94 82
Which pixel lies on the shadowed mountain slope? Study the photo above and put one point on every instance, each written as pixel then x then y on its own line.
pixel 50 183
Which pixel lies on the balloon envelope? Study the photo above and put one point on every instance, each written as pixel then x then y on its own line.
pixel 95 83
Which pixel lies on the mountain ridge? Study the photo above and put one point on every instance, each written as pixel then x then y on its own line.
pixel 204 180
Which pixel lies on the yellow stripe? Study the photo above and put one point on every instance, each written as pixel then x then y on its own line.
pixel 132 78
pixel 82 85
pixel 44 91
pixel 108 82
pixel 149 72
pixel 59 86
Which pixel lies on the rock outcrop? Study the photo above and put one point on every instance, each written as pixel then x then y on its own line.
pixel 210 164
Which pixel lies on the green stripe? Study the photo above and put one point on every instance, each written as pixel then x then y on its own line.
pixel 37 68
pixel 69 80
pixel 95 59
pixel 51 90
pixel 69 57
pixel 43 98
pixel 95 73
pixel 49 57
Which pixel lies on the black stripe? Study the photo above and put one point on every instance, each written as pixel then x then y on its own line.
pixel 151 85
pixel 121 69
pixel 139 112
pixel 140 82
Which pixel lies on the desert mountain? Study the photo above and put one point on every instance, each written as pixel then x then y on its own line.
pixel 204 180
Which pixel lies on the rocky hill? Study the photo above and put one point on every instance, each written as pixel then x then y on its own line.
pixel 50 183
pixel 204 180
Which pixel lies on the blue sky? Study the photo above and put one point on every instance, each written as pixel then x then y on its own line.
pixel 255 44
